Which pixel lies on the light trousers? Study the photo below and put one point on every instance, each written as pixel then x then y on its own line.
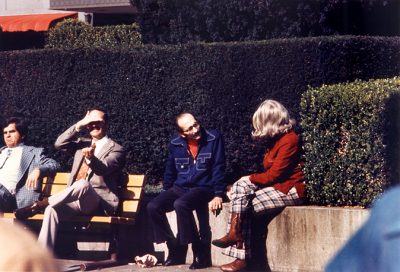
pixel 79 198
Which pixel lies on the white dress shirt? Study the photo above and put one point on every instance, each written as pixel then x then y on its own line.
pixel 10 167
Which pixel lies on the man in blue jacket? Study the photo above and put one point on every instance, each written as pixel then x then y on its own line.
pixel 194 178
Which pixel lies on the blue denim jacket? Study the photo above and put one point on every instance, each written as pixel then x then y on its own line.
pixel 375 247
pixel 206 170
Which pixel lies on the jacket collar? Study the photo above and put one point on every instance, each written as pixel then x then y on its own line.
pixel 206 136
pixel 106 148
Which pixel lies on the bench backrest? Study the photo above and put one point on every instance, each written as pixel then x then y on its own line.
pixel 130 193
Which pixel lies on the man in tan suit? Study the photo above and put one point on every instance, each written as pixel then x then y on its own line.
pixel 95 175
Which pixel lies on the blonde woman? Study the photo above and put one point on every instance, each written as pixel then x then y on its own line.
pixel 279 185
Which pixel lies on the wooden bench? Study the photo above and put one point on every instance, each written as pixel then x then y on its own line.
pixel 106 227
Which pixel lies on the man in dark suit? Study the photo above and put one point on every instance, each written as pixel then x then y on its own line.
pixel 22 167
pixel 95 175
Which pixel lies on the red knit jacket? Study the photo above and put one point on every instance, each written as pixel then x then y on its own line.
pixel 282 165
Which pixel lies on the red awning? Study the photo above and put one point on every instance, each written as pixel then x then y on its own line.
pixel 36 22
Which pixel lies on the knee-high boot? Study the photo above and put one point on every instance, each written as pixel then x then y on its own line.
pixel 234 236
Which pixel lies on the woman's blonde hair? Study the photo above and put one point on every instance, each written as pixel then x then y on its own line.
pixel 271 119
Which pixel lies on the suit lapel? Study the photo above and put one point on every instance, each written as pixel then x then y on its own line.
pixel 77 162
pixel 105 150
pixel 26 160
pixel 102 153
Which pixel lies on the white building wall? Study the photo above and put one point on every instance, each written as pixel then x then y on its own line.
pixel 25 7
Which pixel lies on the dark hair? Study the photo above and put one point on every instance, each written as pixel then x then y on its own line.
pixel 20 124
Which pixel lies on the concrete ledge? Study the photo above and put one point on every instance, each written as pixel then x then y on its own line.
pixel 299 239
pixel 302 238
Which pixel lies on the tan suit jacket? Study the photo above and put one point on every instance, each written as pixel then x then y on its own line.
pixel 105 170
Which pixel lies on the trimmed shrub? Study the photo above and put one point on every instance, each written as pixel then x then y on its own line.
pixel 351 141
pixel 182 21
pixel 21 40
pixel 72 33
pixel 144 88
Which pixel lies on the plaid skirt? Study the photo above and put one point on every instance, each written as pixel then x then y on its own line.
pixel 248 198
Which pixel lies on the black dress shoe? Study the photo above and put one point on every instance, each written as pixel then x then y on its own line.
pixel 176 255
pixel 169 262
pixel 201 255
pixel 197 264
pixel 29 211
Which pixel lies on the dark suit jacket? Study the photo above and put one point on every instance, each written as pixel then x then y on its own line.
pixel 105 171
pixel 32 157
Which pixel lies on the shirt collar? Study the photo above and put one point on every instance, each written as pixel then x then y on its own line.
pixel 17 146
pixel 100 143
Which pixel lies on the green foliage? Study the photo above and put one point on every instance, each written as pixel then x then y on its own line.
pixel 182 21
pixel 153 189
pixel 144 88
pixel 71 33
pixel 21 40
pixel 350 141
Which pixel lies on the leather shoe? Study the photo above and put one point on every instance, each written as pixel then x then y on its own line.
pixel 234 235
pixel 236 265
pixel 169 262
pixel 201 255
pixel 198 264
pixel 29 211
pixel 176 255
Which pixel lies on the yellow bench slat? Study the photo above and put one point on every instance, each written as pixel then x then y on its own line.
pixel 129 196
pixel 61 178
pixel 129 207
pixel 83 219
pixel 125 194
pixel 136 180
pixel 132 193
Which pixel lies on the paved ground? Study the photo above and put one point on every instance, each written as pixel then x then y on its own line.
pixel 73 265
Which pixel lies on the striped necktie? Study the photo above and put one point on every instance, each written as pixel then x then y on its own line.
pixel 83 170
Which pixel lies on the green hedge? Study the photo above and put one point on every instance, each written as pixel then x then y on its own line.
pixel 144 88
pixel 22 40
pixel 71 34
pixel 181 21
pixel 351 141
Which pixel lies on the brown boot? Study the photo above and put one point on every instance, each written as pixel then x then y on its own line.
pixel 236 265
pixel 234 235
pixel 29 211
